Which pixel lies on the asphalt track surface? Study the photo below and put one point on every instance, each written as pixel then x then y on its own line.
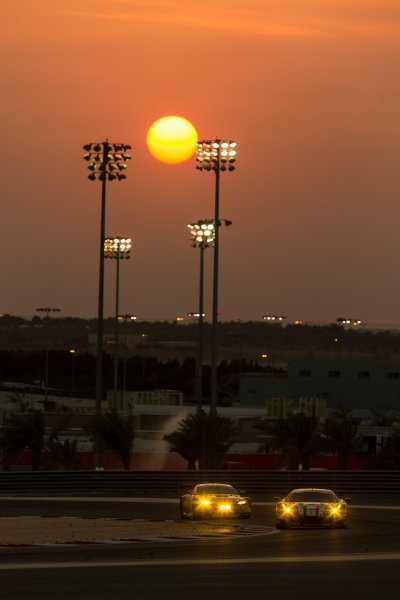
pixel 362 561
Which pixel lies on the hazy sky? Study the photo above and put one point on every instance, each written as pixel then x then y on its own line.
pixel 310 90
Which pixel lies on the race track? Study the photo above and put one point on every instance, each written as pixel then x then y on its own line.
pixel 361 561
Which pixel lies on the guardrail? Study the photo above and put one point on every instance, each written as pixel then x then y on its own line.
pixel 113 483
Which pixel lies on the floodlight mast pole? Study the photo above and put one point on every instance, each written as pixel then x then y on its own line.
pixel 116 340
pixel 215 155
pixel 202 235
pixel 100 312
pixel 118 248
pixel 199 365
pixel 214 326
pixel 106 161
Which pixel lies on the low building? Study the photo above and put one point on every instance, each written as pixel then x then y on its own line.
pixel 320 385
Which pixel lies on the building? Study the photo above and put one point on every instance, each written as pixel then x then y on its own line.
pixel 319 385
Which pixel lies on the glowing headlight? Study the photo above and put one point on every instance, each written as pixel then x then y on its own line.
pixel 335 509
pixel 242 502
pixel 224 507
pixel 287 509
pixel 204 502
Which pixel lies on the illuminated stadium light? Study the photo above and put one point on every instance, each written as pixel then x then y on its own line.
pixel 106 162
pixel 217 156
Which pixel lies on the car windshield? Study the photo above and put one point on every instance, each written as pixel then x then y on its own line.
pixel 215 490
pixel 312 496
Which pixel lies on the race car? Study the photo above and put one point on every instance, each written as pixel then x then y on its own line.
pixel 214 500
pixel 311 507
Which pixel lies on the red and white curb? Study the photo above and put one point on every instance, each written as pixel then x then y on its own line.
pixel 239 531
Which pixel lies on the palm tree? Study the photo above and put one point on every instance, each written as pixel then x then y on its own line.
pixel 115 433
pixel 383 415
pixel 340 432
pixel 23 431
pixel 296 436
pixel 27 431
pixel 203 436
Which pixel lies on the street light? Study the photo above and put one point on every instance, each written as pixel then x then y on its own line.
pixel 107 162
pixel 202 235
pixel 217 156
pixel 119 249
pixel 47 310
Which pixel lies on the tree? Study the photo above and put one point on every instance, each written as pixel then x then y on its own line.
pixel 383 415
pixel 296 436
pixel 23 431
pixel 115 433
pixel 27 431
pixel 340 435
pixel 203 436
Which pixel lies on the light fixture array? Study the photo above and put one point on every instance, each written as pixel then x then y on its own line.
pixel 216 155
pixel 202 233
pixel 107 161
pixel 117 247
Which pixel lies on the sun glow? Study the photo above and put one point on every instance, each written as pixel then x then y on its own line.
pixel 172 140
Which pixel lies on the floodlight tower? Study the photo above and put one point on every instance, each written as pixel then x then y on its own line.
pixel 107 162
pixel 217 156
pixel 202 235
pixel 119 249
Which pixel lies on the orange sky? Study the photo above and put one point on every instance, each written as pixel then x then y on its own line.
pixel 308 88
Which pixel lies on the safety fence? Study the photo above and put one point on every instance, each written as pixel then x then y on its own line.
pixel 173 483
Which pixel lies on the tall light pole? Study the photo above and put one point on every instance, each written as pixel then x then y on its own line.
pixel 202 235
pixel 119 249
pixel 106 162
pixel 47 310
pixel 217 156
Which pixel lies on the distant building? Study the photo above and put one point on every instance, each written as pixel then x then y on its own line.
pixel 319 385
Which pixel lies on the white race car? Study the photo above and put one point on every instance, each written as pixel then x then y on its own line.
pixel 311 507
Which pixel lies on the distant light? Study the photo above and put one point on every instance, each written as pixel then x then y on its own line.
pixel 347 321
pixel 274 317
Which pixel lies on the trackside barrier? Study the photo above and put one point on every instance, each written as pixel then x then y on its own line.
pixel 113 483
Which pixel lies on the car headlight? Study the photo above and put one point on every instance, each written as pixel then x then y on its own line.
pixel 225 507
pixel 205 502
pixel 286 509
pixel 242 502
pixel 335 509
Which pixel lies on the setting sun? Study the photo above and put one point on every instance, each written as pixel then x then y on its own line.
pixel 172 140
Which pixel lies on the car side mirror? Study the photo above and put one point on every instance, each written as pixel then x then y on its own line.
pixel 276 499
pixel 348 500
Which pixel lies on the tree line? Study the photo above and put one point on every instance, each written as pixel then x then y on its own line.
pixel 77 373
pixel 203 439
